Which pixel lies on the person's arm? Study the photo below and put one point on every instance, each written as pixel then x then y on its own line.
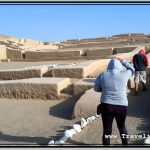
pixel 129 66
pixel 147 60
pixel 97 85
pixel 130 69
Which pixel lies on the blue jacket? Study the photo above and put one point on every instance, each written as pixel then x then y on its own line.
pixel 113 82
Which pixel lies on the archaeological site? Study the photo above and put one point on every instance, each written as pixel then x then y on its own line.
pixel 46 87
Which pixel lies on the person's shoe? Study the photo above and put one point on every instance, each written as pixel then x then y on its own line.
pixel 136 93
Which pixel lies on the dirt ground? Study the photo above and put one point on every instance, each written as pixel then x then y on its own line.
pixel 33 121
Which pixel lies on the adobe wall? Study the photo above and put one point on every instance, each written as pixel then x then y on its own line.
pixel 129 55
pixel 99 52
pixel 82 85
pixel 82 70
pixel 30 42
pixel 105 39
pixel 90 40
pixel 14 39
pixel 3 54
pixel 123 49
pixel 34 88
pixel 46 54
pixel 23 73
pixel 89 45
pixel 70 72
pixel 14 54
pixel 101 39
pixel 129 34
pixel 21 40
pixel 73 41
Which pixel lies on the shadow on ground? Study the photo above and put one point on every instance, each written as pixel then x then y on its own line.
pixel 139 107
pixel 23 139
pixel 64 109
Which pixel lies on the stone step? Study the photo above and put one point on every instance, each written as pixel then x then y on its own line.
pixel 33 88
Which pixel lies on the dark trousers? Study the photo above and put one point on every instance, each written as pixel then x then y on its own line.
pixel 109 112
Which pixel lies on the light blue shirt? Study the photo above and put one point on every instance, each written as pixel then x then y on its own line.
pixel 113 82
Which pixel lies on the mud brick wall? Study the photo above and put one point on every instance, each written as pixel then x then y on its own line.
pixel 3 54
pixel 35 88
pixel 14 54
pixel 99 52
pixel 68 72
pixel 93 40
pixel 75 41
pixel 82 85
pixel 37 55
pixel 14 74
pixel 122 49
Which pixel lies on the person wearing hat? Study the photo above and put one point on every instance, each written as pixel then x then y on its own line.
pixel 140 62
pixel 112 83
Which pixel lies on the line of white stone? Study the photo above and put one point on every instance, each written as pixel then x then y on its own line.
pixel 76 128
pixel 51 66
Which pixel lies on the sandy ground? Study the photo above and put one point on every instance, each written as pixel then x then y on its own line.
pixel 33 121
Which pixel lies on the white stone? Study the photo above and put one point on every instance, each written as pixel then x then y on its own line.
pixel 57 142
pixel 77 127
pixel 90 119
pixel 63 139
pixel 51 142
pixel 83 123
pixel 93 118
pixel 73 131
pixel 68 133
pixel 147 140
pixel 97 115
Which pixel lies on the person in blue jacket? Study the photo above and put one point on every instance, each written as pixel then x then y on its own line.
pixel 112 84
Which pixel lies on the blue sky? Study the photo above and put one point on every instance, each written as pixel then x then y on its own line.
pixel 62 22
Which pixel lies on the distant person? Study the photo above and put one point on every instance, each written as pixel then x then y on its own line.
pixel 112 84
pixel 140 62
